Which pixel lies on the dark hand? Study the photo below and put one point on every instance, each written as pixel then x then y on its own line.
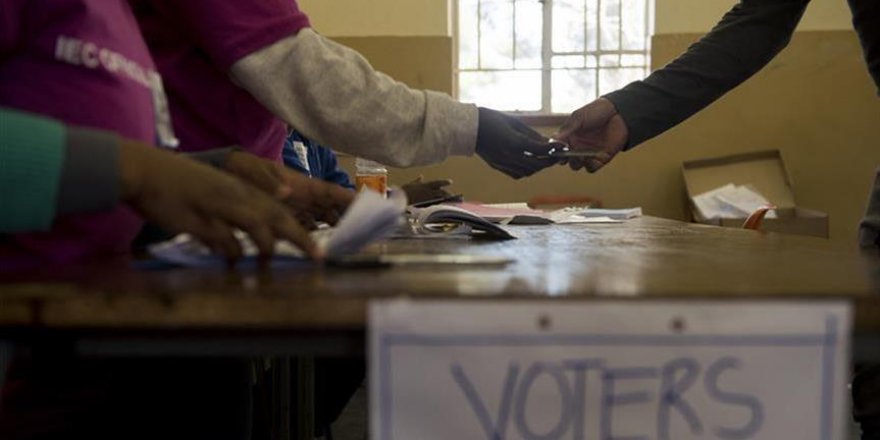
pixel 595 127
pixel 501 141
pixel 310 199
pixel 182 195
pixel 419 192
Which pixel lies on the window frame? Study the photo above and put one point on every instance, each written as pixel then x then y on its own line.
pixel 545 116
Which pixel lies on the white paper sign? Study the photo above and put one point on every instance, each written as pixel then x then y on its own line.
pixel 542 370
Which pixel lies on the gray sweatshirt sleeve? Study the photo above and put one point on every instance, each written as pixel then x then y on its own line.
pixel 90 173
pixel 331 94
pixel 744 41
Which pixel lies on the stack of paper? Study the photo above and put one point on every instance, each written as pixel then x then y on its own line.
pixel 730 201
pixel 616 214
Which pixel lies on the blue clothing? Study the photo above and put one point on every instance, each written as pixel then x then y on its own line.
pixel 321 160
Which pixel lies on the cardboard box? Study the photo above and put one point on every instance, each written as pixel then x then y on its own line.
pixel 765 172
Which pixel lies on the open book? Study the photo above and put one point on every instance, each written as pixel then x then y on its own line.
pixel 369 218
pixel 447 220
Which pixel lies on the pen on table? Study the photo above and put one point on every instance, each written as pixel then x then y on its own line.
pixel 456 198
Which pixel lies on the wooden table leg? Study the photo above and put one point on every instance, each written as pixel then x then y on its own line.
pixel 304 404
pixel 294 398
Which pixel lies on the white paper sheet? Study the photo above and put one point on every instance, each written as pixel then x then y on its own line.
pixel 573 219
pixel 695 370
pixel 730 201
pixel 617 214
pixel 369 218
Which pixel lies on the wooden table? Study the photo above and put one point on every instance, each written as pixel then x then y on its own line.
pixel 109 308
pixel 642 258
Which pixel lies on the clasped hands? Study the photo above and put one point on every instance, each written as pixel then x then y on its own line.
pixel 513 148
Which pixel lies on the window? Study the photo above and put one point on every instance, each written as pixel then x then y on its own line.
pixel 550 56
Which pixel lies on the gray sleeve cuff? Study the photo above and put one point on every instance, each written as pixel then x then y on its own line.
pixel 216 158
pixel 90 172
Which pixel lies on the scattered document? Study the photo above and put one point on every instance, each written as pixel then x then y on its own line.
pixel 616 214
pixel 369 218
pixel 730 201
pixel 522 214
pixel 572 219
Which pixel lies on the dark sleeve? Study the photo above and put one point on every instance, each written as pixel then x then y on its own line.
pixel 866 20
pixel 330 171
pixel 869 228
pixel 742 43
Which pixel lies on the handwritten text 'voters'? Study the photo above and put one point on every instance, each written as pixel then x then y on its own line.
pixel 592 395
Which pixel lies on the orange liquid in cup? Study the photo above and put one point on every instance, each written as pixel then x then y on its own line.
pixel 377 183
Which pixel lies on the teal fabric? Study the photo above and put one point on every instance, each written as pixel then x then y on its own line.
pixel 31 157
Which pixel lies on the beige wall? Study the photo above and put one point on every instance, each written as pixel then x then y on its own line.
pixel 696 16
pixel 410 40
pixel 366 18
pixel 423 62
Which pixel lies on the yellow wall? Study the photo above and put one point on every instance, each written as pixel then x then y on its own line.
pixel 410 40
pixel 697 16
pixel 365 18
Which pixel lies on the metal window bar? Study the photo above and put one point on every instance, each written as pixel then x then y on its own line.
pixel 598 46
pixel 547 57
pixel 513 32
pixel 479 34
pixel 619 32
pixel 586 31
pixel 599 52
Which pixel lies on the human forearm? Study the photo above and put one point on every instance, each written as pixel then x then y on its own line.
pixel 742 43
pixel 332 95
pixel 50 169
pixel 866 20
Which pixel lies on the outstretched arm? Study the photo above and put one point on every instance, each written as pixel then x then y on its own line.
pixel 742 43
pixel 866 20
